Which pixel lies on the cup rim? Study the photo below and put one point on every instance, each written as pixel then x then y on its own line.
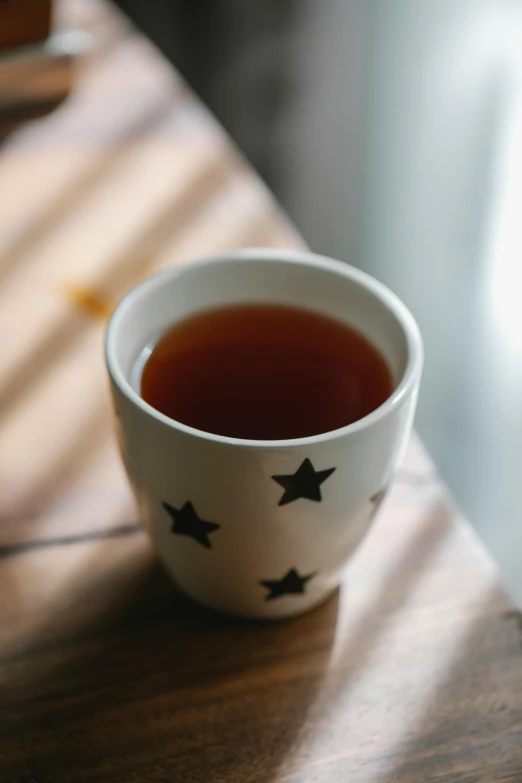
pixel 303 258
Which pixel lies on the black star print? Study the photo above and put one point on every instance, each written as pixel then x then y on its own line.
pixel 185 522
pixel 291 583
pixel 378 497
pixel 304 483
pixel 376 501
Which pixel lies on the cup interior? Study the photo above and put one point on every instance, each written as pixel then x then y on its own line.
pixel 264 276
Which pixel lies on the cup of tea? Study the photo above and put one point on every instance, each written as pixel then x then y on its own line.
pixel 264 401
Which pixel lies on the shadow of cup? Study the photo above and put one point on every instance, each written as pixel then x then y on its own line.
pixel 149 678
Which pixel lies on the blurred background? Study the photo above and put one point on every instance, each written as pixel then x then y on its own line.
pixel 391 132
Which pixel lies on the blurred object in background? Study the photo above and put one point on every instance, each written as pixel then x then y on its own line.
pixel 24 22
pixel 288 79
pixel 239 57
pixel 36 65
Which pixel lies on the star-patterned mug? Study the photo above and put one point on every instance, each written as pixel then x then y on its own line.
pixel 260 528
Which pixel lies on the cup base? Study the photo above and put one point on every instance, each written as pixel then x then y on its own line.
pixel 258 616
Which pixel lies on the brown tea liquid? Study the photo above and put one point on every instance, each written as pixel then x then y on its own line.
pixel 264 372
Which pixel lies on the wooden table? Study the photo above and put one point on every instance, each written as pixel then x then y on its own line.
pixel 412 673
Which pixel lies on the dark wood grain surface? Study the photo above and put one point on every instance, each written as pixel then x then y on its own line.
pixel 413 672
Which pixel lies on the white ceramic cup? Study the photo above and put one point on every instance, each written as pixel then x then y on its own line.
pixel 261 528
